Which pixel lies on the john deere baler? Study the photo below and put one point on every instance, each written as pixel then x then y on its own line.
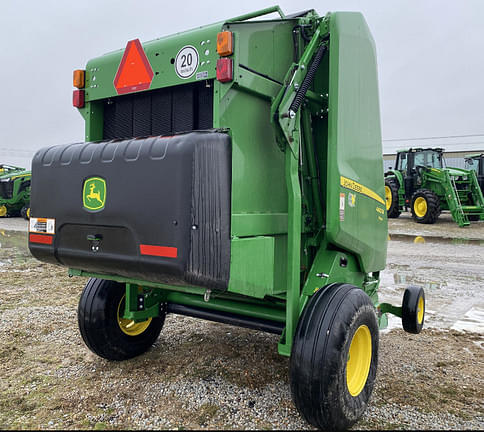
pixel 232 173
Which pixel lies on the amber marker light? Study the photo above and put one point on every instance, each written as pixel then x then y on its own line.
pixel 79 78
pixel 224 43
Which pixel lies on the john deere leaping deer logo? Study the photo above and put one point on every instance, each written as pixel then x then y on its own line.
pixel 94 194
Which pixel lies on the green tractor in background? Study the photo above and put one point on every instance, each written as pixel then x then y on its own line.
pixel 475 162
pixel 14 191
pixel 422 183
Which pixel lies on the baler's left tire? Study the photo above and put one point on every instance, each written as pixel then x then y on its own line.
pixel 334 357
pixel 413 309
pixel 103 328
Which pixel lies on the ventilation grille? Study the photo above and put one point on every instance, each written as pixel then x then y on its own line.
pixel 164 111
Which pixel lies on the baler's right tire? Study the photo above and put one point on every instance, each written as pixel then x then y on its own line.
pixel 425 206
pixel 334 357
pixel 413 309
pixel 103 328
pixel 391 198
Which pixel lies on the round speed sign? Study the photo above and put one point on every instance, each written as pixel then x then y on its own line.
pixel 186 62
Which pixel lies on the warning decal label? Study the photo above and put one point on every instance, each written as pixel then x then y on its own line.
pixel 42 225
pixel 341 206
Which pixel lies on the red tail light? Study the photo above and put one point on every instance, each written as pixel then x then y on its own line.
pixel 78 98
pixel 224 69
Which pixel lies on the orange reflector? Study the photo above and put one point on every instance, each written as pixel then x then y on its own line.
pixel 224 43
pixel 78 78
pixel 224 70
pixel 78 98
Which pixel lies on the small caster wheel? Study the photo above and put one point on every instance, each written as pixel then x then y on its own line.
pixel 413 309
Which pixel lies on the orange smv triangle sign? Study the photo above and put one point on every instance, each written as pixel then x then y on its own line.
pixel 134 72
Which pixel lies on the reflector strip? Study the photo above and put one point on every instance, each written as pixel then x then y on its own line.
pixel 162 251
pixel 39 238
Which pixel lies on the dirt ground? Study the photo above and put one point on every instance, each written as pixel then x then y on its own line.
pixel 206 375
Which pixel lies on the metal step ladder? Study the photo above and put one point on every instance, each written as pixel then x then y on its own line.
pixel 456 206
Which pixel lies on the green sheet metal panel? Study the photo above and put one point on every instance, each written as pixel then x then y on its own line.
pixel 257 164
pixel 356 216
pixel 251 266
pixel 264 46
pixel 161 53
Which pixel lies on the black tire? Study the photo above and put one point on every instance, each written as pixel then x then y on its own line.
pixel 320 356
pixel 413 309
pixel 25 212
pixel 429 210
pixel 97 316
pixel 391 196
pixel 474 218
pixel 13 212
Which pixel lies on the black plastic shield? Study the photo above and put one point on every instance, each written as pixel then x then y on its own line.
pixel 166 211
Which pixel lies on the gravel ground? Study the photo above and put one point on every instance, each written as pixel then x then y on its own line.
pixel 201 375
pixel 445 227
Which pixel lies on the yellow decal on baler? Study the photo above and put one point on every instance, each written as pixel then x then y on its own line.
pixel 357 187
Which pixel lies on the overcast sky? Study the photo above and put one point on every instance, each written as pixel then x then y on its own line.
pixel 430 60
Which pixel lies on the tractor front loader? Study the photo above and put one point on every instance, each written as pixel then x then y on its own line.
pixel 14 191
pixel 232 173
pixel 422 182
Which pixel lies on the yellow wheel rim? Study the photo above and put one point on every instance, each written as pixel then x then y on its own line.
pixel 420 310
pixel 388 197
pixel 419 240
pixel 3 211
pixel 130 327
pixel 359 360
pixel 28 213
pixel 420 206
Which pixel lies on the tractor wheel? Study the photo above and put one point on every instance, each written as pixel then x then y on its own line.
pixel 425 206
pixel 25 212
pixel 104 330
pixel 413 309
pixel 334 357
pixel 3 211
pixel 391 197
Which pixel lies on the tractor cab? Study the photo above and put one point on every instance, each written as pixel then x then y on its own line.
pixel 408 160
pixel 475 163
pixel 411 162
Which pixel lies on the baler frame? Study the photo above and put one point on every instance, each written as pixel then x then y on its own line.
pixel 293 133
